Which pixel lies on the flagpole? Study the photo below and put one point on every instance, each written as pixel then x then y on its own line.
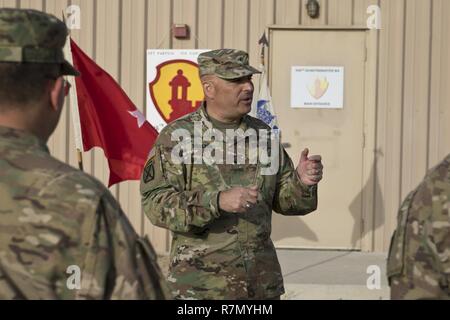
pixel 73 104
pixel 80 160
pixel 264 105
pixel 262 54
pixel 264 43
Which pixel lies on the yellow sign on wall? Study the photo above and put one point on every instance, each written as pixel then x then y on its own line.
pixel 174 87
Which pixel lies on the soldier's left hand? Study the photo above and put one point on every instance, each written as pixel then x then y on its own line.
pixel 310 169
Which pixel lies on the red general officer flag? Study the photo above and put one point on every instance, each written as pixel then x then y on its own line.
pixel 110 120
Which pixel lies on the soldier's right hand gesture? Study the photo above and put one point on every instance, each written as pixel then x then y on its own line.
pixel 238 199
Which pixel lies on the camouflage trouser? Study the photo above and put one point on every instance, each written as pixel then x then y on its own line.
pixel 404 288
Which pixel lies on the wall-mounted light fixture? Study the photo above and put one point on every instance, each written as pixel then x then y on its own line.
pixel 180 31
pixel 313 8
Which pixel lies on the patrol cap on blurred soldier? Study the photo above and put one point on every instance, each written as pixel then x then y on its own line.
pixel 54 217
pixel 31 54
pixel 33 37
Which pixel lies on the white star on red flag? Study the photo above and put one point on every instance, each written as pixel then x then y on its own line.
pixel 139 116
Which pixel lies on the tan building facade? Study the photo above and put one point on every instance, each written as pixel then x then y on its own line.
pixel 396 115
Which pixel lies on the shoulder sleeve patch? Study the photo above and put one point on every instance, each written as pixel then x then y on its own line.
pixel 149 168
pixel 149 171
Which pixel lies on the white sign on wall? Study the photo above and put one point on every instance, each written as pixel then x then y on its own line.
pixel 173 85
pixel 317 87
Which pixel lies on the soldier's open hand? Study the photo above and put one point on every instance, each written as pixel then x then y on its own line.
pixel 238 199
pixel 310 169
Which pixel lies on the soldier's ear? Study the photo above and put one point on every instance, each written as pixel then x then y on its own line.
pixel 57 93
pixel 209 89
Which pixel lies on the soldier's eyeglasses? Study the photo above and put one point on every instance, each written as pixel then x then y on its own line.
pixel 66 86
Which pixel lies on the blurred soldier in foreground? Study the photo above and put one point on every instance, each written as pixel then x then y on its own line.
pixel 62 234
pixel 419 258
pixel 219 209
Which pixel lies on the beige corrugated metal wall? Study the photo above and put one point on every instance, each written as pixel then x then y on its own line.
pixel 413 96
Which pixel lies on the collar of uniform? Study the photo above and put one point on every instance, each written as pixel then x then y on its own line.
pixel 19 137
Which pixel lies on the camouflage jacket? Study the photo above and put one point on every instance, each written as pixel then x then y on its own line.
pixel 217 254
pixel 419 257
pixel 62 234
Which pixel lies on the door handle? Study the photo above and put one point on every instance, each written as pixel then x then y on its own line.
pixel 286 145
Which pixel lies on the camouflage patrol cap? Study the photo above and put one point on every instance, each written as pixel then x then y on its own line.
pixel 227 64
pixel 33 36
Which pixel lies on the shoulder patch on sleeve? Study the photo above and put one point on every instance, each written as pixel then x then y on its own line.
pixel 149 171
pixel 149 168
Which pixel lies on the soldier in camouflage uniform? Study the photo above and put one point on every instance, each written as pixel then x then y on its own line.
pixel 62 234
pixel 419 259
pixel 220 212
